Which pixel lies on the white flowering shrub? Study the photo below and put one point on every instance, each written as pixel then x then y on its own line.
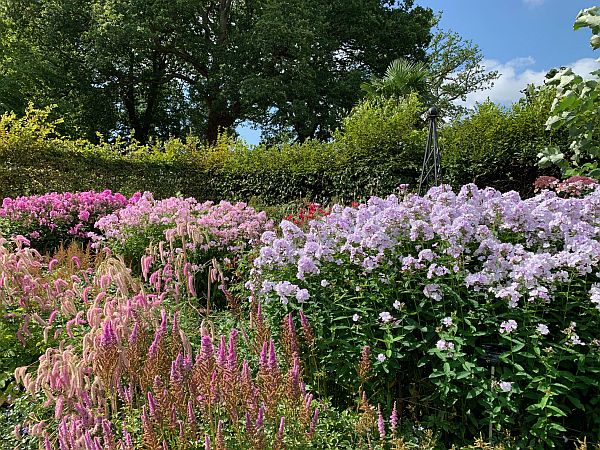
pixel 443 288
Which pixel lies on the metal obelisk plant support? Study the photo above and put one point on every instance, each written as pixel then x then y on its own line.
pixel 431 174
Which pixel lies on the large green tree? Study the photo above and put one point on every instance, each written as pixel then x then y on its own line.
pixel 166 66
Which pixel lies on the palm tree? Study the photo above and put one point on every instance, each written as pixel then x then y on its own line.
pixel 400 79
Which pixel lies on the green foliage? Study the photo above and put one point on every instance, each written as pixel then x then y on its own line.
pixel 453 70
pixel 387 129
pixel 15 417
pixel 575 110
pixel 401 78
pixel 14 353
pixel 346 169
pixel 378 146
pixel 498 147
pixel 163 68
pixel 456 69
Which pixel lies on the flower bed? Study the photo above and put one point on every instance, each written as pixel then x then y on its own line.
pixel 201 226
pixel 429 283
pixel 404 321
pixel 46 220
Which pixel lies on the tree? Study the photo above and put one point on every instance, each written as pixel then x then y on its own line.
pixel 30 75
pixel 401 78
pixel 453 70
pixel 350 40
pixel 168 66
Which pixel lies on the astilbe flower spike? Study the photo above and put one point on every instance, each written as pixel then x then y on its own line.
pixel 109 440
pixel 127 441
pixel 231 353
pixel 220 440
pixel 222 353
pixel 289 337
pixel 307 330
pixel 394 419
pixel 272 363
pixel 305 413
pixel 364 366
pixel 176 381
pixel 152 405
pixel 133 337
pixel 149 438
pixel 191 416
pixel 380 423
pixel 261 330
pixel 278 444
pixel 313 423
pixel 293 388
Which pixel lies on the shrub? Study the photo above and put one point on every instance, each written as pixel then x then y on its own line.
pixel 199 243
pixel 229 170
pixel 575 111
pixel 498 147
pixel 384 139
pixel 441 287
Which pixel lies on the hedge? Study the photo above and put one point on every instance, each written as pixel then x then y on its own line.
pixel 34 159
pixel 498 147
pixel 379 146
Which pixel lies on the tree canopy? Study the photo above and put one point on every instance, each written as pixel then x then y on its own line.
pixel 167 67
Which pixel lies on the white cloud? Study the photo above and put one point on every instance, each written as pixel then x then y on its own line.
pixel 521 61
pixel 515 76
pixel 584 66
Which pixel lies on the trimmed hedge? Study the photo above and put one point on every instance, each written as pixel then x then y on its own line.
pixel 35 159
pixel 379 146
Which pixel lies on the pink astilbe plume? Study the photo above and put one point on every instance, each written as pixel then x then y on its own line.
pixel 313 423
pixel 220 440
pixel 289 337
pixel 307 330
pixel 231 352
pixel 394 420
pixel 293 388
pixel 176 382
pixel 380 423
pixel 278 444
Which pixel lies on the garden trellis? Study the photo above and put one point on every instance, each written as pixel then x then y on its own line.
pixel 431 173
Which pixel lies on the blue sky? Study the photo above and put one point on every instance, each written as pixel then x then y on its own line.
pixel 509 29
pixel 522 39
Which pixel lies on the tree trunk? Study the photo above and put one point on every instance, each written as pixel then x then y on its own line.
pixel 220 120
pixel 217 123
